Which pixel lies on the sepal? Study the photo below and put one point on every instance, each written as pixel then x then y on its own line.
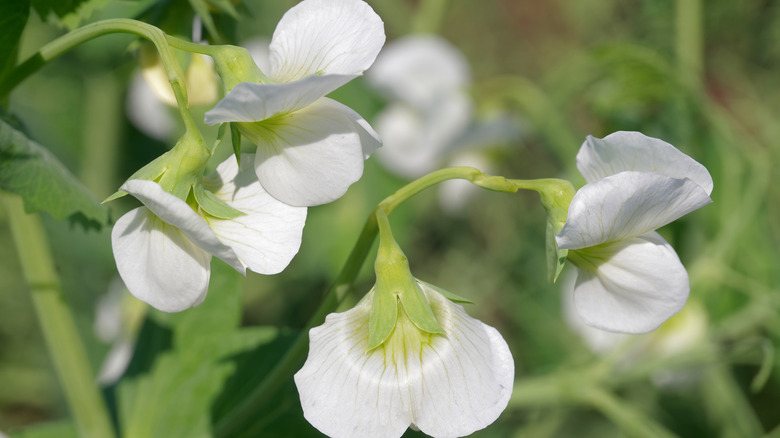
pixel 455 298
pixel 214 206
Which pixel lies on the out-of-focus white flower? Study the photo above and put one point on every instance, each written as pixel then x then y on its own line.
pixel 310 149
pixel 163 250
pixel 118 318
pixel 150 99
pixel 429 121
pixel 629 279
pixel 421 71
pixel 445 384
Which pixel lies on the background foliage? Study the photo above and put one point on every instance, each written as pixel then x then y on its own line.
pixel 702 79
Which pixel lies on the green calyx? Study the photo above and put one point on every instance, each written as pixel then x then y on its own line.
pixel 556 196
pixel 180 172
pixel 396 286
pixel 235 65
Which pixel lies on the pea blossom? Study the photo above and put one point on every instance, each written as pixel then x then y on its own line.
pixel 310 149
pixel 444 384
pixel 629 279
pixel 163 249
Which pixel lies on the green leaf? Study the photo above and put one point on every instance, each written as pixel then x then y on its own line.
pixel 32 172
pixel 173 398
pixel 214 206
pixel 13 17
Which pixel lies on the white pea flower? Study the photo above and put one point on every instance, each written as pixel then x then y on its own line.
pixel 629 279
pixel 163 250
pixel 310 149
pixel 446 385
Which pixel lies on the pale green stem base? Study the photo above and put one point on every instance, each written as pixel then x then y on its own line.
pixel 59 330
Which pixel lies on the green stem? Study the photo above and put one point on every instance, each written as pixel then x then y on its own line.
pixel 632 421
pixel 79 36
pixel 584 387
pixel 238 419
pixel 59 329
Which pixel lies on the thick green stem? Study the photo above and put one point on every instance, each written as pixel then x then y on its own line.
pixel 59 330
pixel 238 419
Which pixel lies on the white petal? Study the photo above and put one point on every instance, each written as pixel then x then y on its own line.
pixel 621 151
pixel 632 286
pixel 250 102
pixel 312 157
pixel 599 341
pixel 419 70
pixel 325 37
pixel 627 204
pixel 177 213
pixel 269 235
pixel 158 263
pixel 369 139
pixel 449 385
pixel 260 52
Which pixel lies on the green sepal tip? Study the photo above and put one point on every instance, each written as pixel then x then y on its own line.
pixel 455 298
pixel 214 206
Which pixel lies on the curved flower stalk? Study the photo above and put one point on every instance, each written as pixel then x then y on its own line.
pixel 430 119
pixel 446 385
pixel 629 279
pixel 310 149
pixel 163 250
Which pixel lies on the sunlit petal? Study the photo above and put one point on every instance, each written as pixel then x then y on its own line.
pixel 312 156
pixel 621 151
pixel 445 385
pixel 269 234
pixel 325 37
pixel 625 205
pixel 158 262
pixel 177 213
pixel 631 286
pixel 250 102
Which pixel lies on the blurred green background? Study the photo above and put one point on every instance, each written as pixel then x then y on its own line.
pixel 702 76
